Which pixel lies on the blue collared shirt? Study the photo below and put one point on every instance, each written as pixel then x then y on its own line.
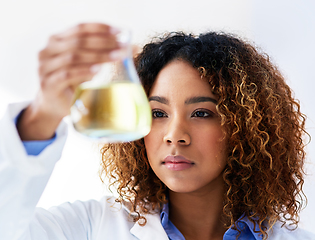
pixel 246 227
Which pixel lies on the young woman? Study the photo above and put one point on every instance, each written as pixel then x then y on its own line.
pixel 223 160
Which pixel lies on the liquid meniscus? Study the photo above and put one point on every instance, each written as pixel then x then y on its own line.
pixel 118 112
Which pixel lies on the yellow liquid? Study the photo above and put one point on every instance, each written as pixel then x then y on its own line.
pixel 118 112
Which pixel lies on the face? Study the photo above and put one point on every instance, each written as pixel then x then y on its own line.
pixel 185 146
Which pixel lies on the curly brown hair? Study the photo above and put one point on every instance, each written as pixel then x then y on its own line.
pixel 263 125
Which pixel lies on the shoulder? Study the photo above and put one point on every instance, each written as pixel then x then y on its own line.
pixel 93 209
pixel 282 233
pixel 105 217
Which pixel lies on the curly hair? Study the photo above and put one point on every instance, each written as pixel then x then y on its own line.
pixel 263 124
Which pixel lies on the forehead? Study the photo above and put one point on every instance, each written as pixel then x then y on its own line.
pixel 180 79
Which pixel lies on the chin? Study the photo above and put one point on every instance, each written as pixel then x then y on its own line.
pixel 181 188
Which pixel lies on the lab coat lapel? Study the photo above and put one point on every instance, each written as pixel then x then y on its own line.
pixel 153 230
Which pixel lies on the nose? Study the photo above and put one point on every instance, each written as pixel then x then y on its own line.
pixel 177 133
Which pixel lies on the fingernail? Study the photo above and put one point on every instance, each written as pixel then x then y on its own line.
pixel 117 54
pixel 123 44
pixel 114 30
pixel 95 68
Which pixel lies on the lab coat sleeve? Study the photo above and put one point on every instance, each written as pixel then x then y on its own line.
pixel 22 177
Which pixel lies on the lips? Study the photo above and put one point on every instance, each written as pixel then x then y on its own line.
pixel 177 163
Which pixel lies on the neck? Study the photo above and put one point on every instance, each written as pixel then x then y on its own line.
pixel 198 215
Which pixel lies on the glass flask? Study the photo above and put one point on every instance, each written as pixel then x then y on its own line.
pixel 113 106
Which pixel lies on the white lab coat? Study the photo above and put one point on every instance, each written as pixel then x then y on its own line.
pixel 23 179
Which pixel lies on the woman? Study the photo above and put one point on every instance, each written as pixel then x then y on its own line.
pixel 223 160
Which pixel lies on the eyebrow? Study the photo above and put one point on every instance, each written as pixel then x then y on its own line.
pixel 200 99
pixel 188 101
pixel 158 99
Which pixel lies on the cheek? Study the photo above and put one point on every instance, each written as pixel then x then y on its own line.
pixel 208 135
pixel 150 142
pixel 212 142
pixel 153 144
pixel 147 143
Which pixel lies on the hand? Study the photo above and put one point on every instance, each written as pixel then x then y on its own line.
pixel 69 59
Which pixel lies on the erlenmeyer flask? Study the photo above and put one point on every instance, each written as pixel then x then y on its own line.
pixel 112 106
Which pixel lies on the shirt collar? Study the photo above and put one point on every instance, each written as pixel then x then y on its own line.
pixel 172 232
pixel 249 230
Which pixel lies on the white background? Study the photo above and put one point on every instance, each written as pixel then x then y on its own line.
pixel 285 29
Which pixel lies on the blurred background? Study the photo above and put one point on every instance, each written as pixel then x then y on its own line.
pixel 285 29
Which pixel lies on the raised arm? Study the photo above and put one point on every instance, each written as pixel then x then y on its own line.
pixel 69 59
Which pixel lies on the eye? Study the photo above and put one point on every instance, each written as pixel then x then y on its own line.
pixel 158 113
pixel 202 114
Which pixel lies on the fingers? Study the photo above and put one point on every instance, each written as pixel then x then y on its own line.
pixel 84 36
pixel 68 60
pixel 70 77
pixel 72 58
pixel 98 43
pixel 89 43
pixel 90 35
pixel 88 28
